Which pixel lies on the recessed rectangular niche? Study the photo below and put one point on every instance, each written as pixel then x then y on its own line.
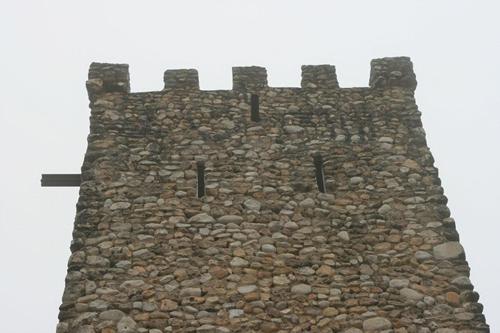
pixel 254 108
pixel 200 187
pixel 320 172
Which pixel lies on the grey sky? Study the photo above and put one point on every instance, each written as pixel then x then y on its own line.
pixel 47 46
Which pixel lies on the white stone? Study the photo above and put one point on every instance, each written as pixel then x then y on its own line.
pixel 429 300
pixel 291 225
pixel 280 280
pixel 344 235
pixel 233 313
pixel 239 262
pixel 463 282
pixel 97 261
pixel 385 208
pixel 268 248
pixel 422 255
pixel 330 198
pixel 307 203
pixel 291 129
pixel 465 316
pixel 132 284
pixel 386 139
pixel 230 219
pixel 247 289
pixel 356 180
pixel 308 271
pixel 411 294
pixel 190 292
pixel 399 283
pixel 228 124
pixel 449 250
pixel 202 218
pixel 114 315
pixel 252 204
pixel 221 329
pixel 376 324
pixel 126 325
pixel 206 329
pixel 301 289
pixel 98 305
pixel 120 205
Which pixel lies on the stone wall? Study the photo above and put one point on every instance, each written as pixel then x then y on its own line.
pixel 263 250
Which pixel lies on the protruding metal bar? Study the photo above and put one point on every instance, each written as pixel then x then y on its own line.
pixel 61 180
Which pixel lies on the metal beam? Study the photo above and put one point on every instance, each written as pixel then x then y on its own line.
pixel 61 180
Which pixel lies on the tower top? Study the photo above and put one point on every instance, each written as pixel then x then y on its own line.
pixel 385 73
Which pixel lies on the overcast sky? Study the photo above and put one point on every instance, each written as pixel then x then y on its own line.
pixel 47 46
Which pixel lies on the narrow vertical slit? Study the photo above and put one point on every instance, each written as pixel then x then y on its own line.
pixel 254 109
pixel 320 173
pixel 200 191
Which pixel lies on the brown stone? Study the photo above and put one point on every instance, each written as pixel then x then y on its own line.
pixel 239 252
pixel 393 238
pixel 453 298
pixel 411 164
pixel 382 247
pixel 168 305
pixel 269 327
pixel 219 272
pixel 325 270
pixel 141 317
pixel 108 330
pixel 180 274
pixel 330 312
pixel 251 296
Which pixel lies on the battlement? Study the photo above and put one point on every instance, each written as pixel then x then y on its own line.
pixel 181 79
pixel 105 78
pixel 385 73
pixel 319 76
pixel 392 72
pixel 249 78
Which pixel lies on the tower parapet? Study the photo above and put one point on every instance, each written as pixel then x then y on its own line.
pixel 181 79
pixel 319 76
pixel 251 78
pixel 392 72
pixel 385 73
pixel 105 78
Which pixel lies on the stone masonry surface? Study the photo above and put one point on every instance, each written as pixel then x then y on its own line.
pixel 263 250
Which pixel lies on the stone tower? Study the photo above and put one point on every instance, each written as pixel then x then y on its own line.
pixel 260 209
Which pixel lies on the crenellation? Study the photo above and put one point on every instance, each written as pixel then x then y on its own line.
pixel 319 76
pixel 325 215
pixel 105 78
pixel 392 72
pixel 181 79
pixel 251 78
pixel 385 72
